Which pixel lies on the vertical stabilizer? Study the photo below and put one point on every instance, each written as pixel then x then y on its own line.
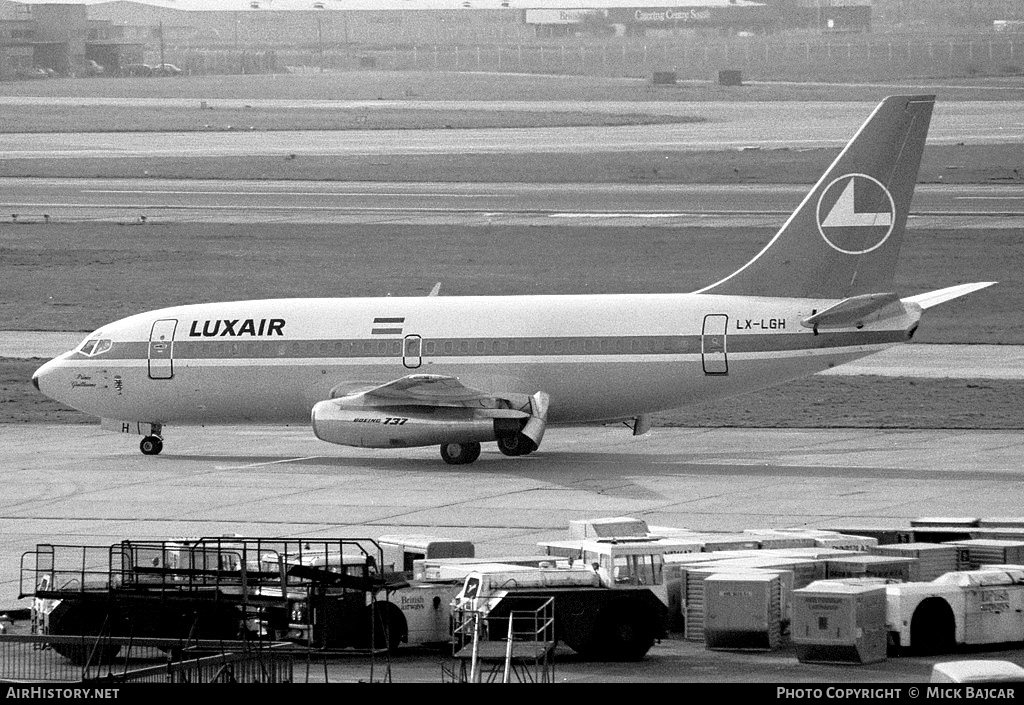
pixel 844 238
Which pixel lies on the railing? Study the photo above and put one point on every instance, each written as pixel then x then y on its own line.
pixel 32 659
pixel 520 644
pixel 242 566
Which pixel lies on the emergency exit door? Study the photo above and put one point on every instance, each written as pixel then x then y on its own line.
pixel 161 349
pixel 713 344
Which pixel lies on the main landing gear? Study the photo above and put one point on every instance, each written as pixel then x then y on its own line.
pixel 465 453
pixel 460 453
pixel 518 444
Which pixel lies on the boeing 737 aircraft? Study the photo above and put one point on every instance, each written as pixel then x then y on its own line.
pixel 458 371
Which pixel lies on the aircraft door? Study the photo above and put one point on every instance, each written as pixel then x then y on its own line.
pixel 412 351
pixel 713 344
pixel 161 349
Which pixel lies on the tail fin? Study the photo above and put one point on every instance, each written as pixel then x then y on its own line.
pixel 844 237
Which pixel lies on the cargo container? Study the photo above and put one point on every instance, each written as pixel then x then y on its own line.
pixel 743 611
pixel 840 621
pixel 981 552
pixel 902 569
pixel 933 559
pixel 400 551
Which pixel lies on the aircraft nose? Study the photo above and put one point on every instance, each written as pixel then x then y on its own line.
pixel 39 378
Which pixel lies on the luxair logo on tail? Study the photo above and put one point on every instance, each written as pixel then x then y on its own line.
pixel 856 214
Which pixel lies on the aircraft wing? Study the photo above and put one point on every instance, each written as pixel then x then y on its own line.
pixel 934 298
pixel 429 390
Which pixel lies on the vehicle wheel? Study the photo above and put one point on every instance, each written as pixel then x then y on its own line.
pixel 72 619
pixel 933 628
pixel 389 628
pixel 151 445
pixel 460 453
pixel 516 445
pixel 627 635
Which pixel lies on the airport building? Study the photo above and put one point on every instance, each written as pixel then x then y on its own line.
pixel 251 35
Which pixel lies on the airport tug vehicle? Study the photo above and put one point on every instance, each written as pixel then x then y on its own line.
pixel 609 597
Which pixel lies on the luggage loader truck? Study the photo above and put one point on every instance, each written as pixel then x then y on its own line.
pixel 322 593
pixel 610 598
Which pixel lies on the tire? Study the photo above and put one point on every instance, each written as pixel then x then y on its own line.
pixel 460 453
pixel 626 634
pixel 389 627
pixel 516 445
pixel 151 445
pixel 74 619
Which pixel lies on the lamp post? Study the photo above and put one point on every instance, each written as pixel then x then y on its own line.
pixel 317 6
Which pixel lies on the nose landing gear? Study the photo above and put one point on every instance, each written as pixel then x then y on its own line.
pixel 151 445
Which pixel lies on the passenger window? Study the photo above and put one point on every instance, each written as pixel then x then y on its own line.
pixel 481 346
pixel 448 347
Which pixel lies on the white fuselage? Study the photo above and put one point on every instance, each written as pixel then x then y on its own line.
pixel 598 357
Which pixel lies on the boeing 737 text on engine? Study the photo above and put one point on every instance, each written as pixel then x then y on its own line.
pixel 459 371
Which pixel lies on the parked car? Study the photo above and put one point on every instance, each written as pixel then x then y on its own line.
pixel 93 69
pixel 977 671
pixel 166 70
pixel 136 70
pixel 34 72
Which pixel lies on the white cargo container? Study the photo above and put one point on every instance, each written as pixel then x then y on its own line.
pixel 743 611
pixel 840 621
pixel 982 552
pixel 933 559
pixel 902 569
pixel 400 551
pixel 773 539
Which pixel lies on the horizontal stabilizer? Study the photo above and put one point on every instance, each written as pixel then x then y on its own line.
pixel 934 298
pixel 856 311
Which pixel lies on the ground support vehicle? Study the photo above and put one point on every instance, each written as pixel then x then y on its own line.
pixel 610 601
pixel 322 594
pixel 983 606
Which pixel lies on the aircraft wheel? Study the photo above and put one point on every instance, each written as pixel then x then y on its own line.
pixel 516 445
pixel 460 453
pixel 151 445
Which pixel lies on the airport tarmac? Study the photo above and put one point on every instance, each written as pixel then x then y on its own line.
pixel 74 484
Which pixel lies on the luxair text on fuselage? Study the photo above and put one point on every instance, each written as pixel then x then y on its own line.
pixel 234 327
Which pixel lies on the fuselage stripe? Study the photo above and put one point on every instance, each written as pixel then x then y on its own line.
pixel 615 347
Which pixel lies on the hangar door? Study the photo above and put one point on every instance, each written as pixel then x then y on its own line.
pixel 161 349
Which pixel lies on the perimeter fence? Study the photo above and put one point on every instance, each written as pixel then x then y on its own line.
pixel 864 57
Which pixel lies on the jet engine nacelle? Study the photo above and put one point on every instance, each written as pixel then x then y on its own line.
pixel 409 426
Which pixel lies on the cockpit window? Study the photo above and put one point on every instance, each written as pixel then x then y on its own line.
pixel 95 346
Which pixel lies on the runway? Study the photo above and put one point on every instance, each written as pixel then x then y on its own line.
pixel 726 125
pixel 523 204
